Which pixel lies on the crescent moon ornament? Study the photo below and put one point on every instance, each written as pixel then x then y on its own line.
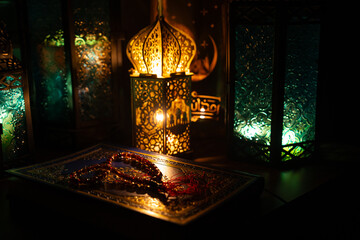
pixel 201 67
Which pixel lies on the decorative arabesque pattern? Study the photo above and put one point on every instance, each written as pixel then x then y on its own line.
pixel 94 76
pixel 253 82
pixel 153 51
pixel 178 88
pixel 178 104
pixel 12 117
pixel 93 56
pixel 12 102
pixel 161 49
pixel 188 49
pixel 148 99
pixel 162 122
pixel 301 82
pixel 171 50
pixel 10 74
pixel 254 36
pixel 300 89
pixel 135 50
pixel 178 143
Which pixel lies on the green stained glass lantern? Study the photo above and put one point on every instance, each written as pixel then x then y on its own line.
pixel 15 118
pixel 274 73
pixel 72 70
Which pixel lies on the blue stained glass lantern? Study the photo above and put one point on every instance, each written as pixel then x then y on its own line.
pixel 274 73
pixel 15 118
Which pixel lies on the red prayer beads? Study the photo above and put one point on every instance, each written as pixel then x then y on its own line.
pixel 151 181
pixel 100 172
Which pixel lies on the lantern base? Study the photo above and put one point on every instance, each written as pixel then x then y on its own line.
pixel 246 149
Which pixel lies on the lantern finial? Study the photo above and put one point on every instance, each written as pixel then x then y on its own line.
pixel 160 8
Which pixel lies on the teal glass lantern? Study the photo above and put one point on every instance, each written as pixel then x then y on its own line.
pixel 15 117
pixel 71 52
pixel 274 73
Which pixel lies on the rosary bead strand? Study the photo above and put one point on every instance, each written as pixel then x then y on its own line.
pixel 194 185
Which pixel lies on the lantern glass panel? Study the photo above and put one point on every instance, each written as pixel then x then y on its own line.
pixel 93 57
pixel 275 71
pixel 300 85
pixel 253 82
pixel 92 61
pixel 12 118
pixel 50 67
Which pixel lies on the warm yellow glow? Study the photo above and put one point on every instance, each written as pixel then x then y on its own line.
pixel 159 116
pixel 178 113
pixel 204 107
pixel 162 126
pixel 173 141
pixel 202 110
pixel 161 49
pixel 157 70
pixel 170 139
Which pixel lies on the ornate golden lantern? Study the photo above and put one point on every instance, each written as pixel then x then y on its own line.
pixel 161 87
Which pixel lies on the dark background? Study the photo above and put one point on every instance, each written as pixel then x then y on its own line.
pixel 339 64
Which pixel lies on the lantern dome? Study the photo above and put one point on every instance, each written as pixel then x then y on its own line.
pixel 161 49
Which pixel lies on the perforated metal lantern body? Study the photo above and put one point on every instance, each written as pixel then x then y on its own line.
pixel 161 49
pixel 161 88
pixel 274 73
pixel 161 113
